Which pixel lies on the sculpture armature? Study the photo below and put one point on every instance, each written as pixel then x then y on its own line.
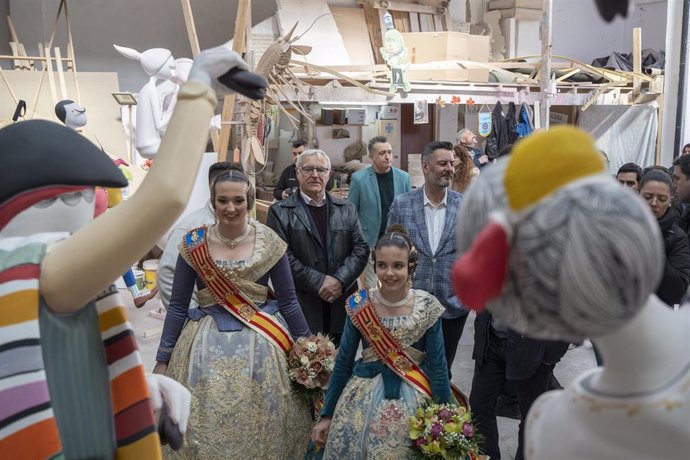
pixel 569 254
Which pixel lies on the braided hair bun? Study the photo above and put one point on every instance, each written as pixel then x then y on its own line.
pixel 397 236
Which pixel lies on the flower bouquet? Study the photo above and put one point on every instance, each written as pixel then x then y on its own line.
pixel 443 431
pixel 310 363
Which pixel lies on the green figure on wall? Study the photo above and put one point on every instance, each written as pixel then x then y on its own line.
pixel 396 56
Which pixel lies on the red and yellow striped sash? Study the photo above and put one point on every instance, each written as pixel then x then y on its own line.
pixel 388 349
pixel 230 297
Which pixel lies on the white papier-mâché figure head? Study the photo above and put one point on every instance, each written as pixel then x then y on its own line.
pixel 152 113
pixel 71 114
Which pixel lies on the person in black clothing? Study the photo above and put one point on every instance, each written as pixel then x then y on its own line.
pixel 681 175
pixel 656 189
pixel 326 247
pixel 630 175
pixel 287 183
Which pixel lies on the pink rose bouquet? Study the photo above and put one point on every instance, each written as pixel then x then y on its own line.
pixel 310 363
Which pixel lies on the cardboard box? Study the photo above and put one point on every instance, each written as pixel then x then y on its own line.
pixel 446 46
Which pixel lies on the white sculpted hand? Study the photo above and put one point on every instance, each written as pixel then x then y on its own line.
pixel 214 62
pixel 176 397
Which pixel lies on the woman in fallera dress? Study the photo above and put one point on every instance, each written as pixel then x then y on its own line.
pixel 231 353
pixel 369 402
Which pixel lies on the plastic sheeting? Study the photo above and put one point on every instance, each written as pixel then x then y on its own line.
pixel 627 134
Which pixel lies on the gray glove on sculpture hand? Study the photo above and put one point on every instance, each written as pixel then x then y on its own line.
pixel 213 63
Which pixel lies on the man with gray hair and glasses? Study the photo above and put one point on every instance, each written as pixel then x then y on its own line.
pixel 326 247
pixel 468 139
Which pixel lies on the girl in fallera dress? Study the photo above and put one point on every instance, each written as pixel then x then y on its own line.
pixel 243 405
pixel 369 402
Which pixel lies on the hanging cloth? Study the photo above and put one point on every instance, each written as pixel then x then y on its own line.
pixel 498 138
pixel 511 124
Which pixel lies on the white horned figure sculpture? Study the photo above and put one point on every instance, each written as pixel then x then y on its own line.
pixel 156 98
pixel 553 246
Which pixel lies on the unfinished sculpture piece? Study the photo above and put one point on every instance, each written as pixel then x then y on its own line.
pixel 72 382
pixel 552 245
pixel 155 101
pixel 396 56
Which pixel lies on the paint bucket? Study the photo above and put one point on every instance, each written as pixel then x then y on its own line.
pixel 139 277
pixel 150 269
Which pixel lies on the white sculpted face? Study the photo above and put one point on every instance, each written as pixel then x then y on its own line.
pixel 65 213
pixel 75 116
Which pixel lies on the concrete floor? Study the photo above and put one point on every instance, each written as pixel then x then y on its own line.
pixel 577 360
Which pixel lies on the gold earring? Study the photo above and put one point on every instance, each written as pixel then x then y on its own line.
pixel 378 283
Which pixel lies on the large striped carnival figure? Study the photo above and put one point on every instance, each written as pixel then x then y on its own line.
pixel 72 384
pixel 553 246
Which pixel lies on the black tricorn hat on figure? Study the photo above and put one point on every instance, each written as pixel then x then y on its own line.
pixel 41 159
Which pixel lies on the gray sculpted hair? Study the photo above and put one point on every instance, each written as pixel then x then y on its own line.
pixel 582 262
pixel 311 153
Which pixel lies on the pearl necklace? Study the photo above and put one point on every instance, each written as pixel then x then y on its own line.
pixel 399 304
pixel 232 243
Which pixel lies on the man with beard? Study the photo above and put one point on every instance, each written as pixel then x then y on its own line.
pixel 429 213
pixel 468 139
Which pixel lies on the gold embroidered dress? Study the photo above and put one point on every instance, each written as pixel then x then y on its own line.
pixel 243 404
pixel 370 405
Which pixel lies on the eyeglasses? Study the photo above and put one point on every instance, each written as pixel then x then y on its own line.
pixel 310 170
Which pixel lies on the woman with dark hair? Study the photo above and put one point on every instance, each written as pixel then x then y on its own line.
pixel 231 353
pixel 369 401
pixel 656 189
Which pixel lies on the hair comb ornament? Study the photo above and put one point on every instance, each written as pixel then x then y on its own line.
pixel 478 276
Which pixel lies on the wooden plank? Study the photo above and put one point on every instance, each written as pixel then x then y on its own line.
pixel 521 14
pixel 239 45
pixel 22 52
pixel 51 76
pixel 18 64
pixel 424 22
pixel 504 4
pixel 9 86
pixel 438 23
pixel 191 28
pixel 401 21
pixel 545 72
pixel 414 22
pixel 371 16
pixel 71 54
pixel 61 74
pixel 408 7
pixel 353 28
pixel 637 61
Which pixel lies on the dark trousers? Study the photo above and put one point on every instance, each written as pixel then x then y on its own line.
pixel 452 331
pixel 487 385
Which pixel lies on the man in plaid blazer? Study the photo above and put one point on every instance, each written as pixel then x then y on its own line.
pixel 429 215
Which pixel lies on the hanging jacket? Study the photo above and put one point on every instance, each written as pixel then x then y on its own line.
pixel 525 126
pixel 511 124
pixel 498 137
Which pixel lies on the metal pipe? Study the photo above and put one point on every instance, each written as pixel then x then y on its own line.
pixel 682 77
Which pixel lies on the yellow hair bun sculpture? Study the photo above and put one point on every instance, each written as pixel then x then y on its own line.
pixel 548 160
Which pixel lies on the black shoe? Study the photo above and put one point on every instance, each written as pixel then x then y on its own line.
pixel 507 409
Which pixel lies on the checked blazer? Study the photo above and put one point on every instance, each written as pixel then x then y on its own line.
pixel 433 270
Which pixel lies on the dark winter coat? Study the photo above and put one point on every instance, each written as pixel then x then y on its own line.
pixel 523 354
pixel 498 138
pixel 677 268
pixel 344 256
